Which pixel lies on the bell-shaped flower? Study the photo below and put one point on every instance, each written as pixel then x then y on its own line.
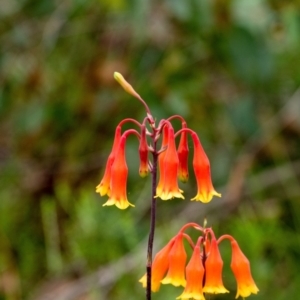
pixel 118 180
pixel 143 153
pixel 159 267
pixel 183 153
pixel 194 277
pixel 202 172
pixel 161 158
pixel 177 260
pixel 241 269
pixel 104 186
pixel 213 271
pixel 169 186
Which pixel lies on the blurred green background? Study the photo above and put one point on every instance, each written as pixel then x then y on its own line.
pixel 231 68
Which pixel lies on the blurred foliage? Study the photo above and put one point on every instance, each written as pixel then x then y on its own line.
pixel 231 68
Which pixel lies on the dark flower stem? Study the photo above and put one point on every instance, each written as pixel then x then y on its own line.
pixel 152 222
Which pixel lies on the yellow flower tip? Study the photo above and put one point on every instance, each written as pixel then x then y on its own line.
pixel 109 202
pixel 205 197
pixel 187 296
pixel 174 281
pixel 123 204
pixel 217 194
pixel 215 290
pixel 246 291
pixel 170 196
pixel 98 189
pixel 102 190
pixel 143 281
pixel 155 285
pixel 202 198
pixel 119 204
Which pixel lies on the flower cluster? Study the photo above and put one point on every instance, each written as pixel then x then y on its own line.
pixel 203 273
pixel 172 160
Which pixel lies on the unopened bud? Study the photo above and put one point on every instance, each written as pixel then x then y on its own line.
pixel 125 85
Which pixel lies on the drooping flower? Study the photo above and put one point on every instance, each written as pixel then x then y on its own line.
pixel 104 186
pixel 183 152
pixel 213 271
pixel 202 172
pixel 159 267
pixel 241 269
pixel 143 153
pixel 161 158
pixel 207 246
pixel 169 187
pixel 177 260
pixel 118 180
pixel 194 277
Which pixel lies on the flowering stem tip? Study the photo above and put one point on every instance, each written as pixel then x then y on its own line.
pixel 160 153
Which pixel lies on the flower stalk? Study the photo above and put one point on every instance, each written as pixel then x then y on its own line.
pixel 152 221
pixel 203 274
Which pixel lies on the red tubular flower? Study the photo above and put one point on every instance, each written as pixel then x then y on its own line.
pixel 159 267
pixel 202 172
pixel 169 186
pixel 143 153
pixel 207 245
pixel 119 173
pixel 104 186
pixel 161 158
pixel 213 268
pixel 194 277
pixel 177 260
pixel 183 152
pixel 241 269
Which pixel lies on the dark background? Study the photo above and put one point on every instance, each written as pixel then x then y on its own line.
pixel 231 68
